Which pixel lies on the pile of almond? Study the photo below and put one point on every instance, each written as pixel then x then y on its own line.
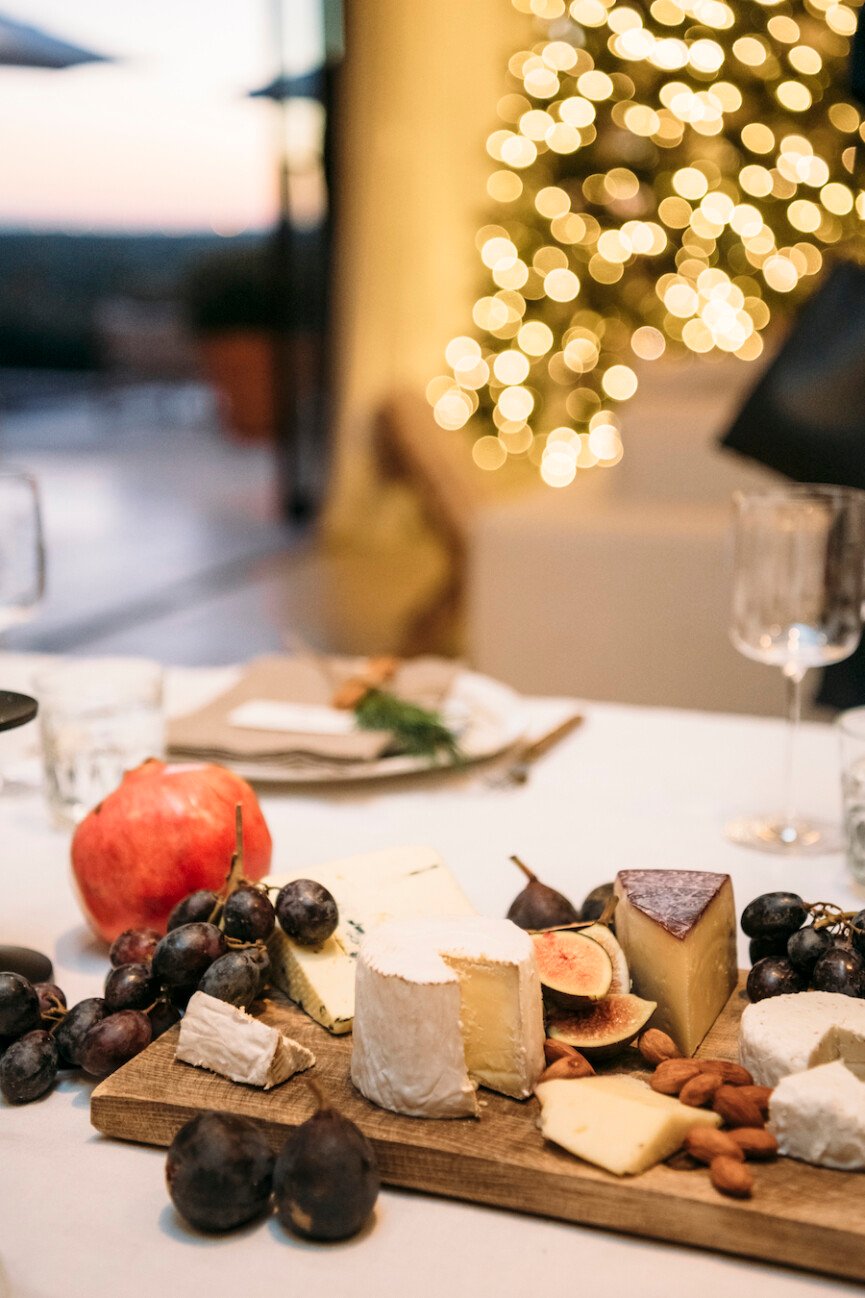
pixel 703 1083
pixel 728 1089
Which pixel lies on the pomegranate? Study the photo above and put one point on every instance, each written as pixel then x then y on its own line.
pixel 164 831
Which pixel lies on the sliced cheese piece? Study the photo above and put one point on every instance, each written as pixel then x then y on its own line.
pixel 228 1041
pixel 442 1006
pixel 678 932
pixel 787 1034
pixel 401 882
pixel 618 1123
pixel 819 1117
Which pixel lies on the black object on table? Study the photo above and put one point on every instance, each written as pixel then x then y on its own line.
pixel 17 710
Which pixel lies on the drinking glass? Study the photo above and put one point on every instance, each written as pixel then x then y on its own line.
pixel 22 548
pixel 799 564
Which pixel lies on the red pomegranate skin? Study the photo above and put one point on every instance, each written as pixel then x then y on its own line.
pixel 165 831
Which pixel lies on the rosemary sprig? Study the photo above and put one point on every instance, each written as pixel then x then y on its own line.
pixel 417 730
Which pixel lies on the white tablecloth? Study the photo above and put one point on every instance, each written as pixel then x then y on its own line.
pixel 83 1215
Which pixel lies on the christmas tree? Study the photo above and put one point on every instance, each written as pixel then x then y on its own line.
pixel 668 175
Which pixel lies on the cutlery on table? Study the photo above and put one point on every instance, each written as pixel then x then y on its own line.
pixel 517 771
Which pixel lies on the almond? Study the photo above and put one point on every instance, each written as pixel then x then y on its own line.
pixel 731 1074
pixel 736 1109
pixel 700 1090
pixel 755 1143
pixel 670 1076
pixel 554 1050
pixel 731 1177
pixel 706 1143
pixel 575 1065
pixel 761 1095
pixel 655 1046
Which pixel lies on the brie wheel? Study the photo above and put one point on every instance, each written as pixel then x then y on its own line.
pixel 787 1034
pixel 441 1007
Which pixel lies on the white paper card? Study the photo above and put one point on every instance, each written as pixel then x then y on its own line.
pixel 298 718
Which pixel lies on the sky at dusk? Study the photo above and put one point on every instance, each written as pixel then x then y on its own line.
pixel 162 139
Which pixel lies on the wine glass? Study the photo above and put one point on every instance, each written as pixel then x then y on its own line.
pixel 22 548
pixel 798 575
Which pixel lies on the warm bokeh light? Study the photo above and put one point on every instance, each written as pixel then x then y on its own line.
pixel 668 178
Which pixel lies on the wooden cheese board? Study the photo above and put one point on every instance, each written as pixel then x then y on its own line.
pixel 799 1215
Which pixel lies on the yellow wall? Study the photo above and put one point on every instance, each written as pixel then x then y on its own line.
pixel 421 81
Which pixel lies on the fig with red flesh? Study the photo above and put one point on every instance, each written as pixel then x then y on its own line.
pixel 602 1029
pixel 539 906
pixel 573 968
pixel 621 983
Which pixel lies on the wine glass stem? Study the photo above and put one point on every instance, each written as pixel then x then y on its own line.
pixel 793 677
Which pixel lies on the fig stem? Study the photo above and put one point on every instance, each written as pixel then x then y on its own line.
pixel 321 1102
pixel 532 878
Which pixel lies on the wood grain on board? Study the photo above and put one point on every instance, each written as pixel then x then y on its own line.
pixel 799 1216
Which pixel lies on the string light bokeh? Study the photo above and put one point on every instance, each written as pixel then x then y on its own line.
pixel 667 176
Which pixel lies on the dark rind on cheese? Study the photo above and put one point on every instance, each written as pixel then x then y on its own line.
pixel 675 899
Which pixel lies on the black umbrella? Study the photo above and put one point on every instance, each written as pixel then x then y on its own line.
pixel 22 46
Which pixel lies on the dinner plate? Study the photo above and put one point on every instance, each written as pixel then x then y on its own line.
pixel 490 717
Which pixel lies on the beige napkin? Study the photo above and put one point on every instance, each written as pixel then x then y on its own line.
pixel 207 732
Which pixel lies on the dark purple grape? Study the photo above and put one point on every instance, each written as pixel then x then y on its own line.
pixel 70 1031
pixel 233 977
pixel 19 1005
pixel 114 1040
pixel 857 932
pixel 219 1171
pixel 326 1179
pixel 181 996
pixel 306 912
pixel 773 976
pixel 805 947
pixel 135 946
pixel 760 947
pixel 248 915
pixel 28 1068
pixel 183 954
pixel 840 970
pixel 197 908
pixel 774 914
pixel 130 987
pixel 52 1004
pixel 163 1015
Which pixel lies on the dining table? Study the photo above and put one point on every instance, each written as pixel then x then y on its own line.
pixel 85 1216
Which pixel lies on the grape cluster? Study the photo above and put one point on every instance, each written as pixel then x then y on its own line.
pixel 798 946
pixel 215 943
pixel 221 1173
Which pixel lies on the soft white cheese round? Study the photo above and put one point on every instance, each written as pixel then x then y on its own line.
pixel 819 1116
pixel 444 1005
pixel 787 1034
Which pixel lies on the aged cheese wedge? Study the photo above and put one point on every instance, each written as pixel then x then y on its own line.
pixel 678 931
pixel 618 1123
pixel 218 1036
pixel 787 1034
pixel 442 1006
pixel 400 882
pixel 819 1116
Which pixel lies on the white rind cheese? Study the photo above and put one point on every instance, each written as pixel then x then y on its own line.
pixel 443 1006
pixel 618 1123
pixel 218 1036
pixel 401 882
pixel 788 1034
pixel 819 1117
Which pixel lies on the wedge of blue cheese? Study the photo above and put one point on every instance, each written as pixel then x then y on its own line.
pixel 397 883
pixel 228 1041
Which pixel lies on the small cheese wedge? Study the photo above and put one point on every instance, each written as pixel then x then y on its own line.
pixel 618 1123
pixel 678 931
pixel 228 1041
pixel 819 1117
pixel 397 883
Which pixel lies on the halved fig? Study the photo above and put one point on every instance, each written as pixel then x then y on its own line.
pixel 602 1029
pixel 572 967
pixel 621 983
